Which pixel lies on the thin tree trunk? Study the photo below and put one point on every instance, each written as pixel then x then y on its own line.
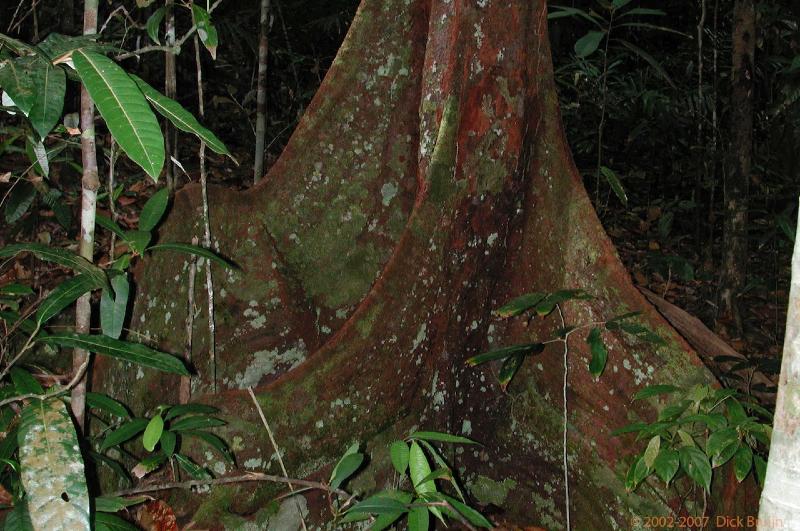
pixel 734 263
pixel 170 90
pixel 90 182
pixel 261 100
pixel 780 499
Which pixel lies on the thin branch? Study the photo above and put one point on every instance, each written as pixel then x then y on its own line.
pixel 564 442
pixel 277 450
pixel 249 477
pixel 75 380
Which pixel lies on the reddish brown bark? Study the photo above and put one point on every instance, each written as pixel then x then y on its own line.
pixel 428 182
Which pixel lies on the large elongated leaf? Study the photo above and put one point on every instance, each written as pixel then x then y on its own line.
pixel 124 108
pixel 419 469
pixel 50 84
pixel 153 210
pixel 126 432
pixel 65 294
pixel 19 201
pixel 599 352
pixel 180 117
pixel 586 45
pixel 113 308
pixel 17 79
pixel 124 350
pixel 505 352
pixel 58 256
pixel 192 249
pixel 52 468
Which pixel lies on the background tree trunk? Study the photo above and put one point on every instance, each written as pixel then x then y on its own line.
pixel 428 182
pixel 737 182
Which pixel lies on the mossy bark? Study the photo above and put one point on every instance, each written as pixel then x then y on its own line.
pixel 428 182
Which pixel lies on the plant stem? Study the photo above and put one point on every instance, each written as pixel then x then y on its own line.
pixel 261 98
pixel 90 182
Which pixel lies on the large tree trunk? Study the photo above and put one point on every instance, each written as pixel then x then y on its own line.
pixel 737 183
pixel 428 182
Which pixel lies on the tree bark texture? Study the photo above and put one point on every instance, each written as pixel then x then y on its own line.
pixel 737 182
pixel 780 500
pixel 428 183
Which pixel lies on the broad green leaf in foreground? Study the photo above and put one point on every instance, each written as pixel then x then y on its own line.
pixel 58 256
pixel 180 117
pixel 124 350
pixel 50 86
pixel 65 294
pixel 52 467
pixel 114 305
pixel 124 108
pixel 153 210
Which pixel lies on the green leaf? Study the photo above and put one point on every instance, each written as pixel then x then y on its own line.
pixel 509 368
pixel 196 423
pixel 666 464
pixel 16 289
pixel 152 433
pixel 615 183
pixel 52 467
pixel 109 224
pixel 192 468
pixel 211 440
pixel 124 433
pixel 725 455
pixel 652 450
pixel 56 45
pixel 124 350
pixel 418 519
pixel 111 522
pixel 205 29
pixel 419 469
pixel 636 474
pixel 630 428
pixel 124 108
pixel 505 352
pixel 673 411
pixel 643 11
pixel 565 11
pixel 107 404
pixel 718 440
pixel 58 256
pixel 519 305
pixel 50 84
pixel 153 23
pixel 440 437
pixel 18 79
pixel 180 117
pixel 195 250
pixel 655 390
pixel 138 240
pixel 549 303
pixel 149 464
pixel 642 333
pixel 761 469
pixel 599 352
pixel 736 412
pixel 474 517
pixel 696 465
pixel 742 462
pixel 18 519
pixel 380 503
pixel 153 210
pixel 399 453
pixel 19 201
pixel 114 309
pixel 345 468
pixel 168 442
pixel 112 504
pixel 38 156
pixel 588 44
pixel 24 383
pixel 65 294
pixel 439 473
pixel 619 4
pixel 714 421
pixel 183 409
pixel 114 465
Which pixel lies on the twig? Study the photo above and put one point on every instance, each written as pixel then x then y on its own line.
pixel 564 443
pixel 75 380
pixel 185 387
pixel 249 477
pixel 171 49
pixel 277 450
pixel 206 224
